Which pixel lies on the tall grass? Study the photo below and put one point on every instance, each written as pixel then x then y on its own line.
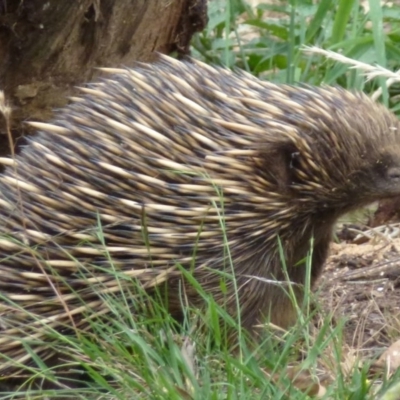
pixel 139 352
pixel 267 40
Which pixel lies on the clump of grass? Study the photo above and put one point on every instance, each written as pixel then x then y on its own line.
pixel 138 351
pixel 267 40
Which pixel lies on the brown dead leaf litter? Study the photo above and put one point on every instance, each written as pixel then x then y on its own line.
pixel 361 283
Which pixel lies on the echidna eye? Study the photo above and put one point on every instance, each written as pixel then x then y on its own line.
pixel 294 159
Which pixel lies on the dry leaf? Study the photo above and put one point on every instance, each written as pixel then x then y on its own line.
pixel 303 380
pixel 390 358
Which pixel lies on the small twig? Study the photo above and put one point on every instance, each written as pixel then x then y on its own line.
pixel 382 269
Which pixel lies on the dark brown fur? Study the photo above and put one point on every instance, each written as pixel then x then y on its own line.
pixel 167 152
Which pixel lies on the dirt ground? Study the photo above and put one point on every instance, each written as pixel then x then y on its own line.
pixel 361 283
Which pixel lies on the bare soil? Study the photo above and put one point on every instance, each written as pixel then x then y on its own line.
pixel 361 283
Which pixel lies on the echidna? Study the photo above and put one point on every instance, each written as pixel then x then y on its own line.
pixel 183 164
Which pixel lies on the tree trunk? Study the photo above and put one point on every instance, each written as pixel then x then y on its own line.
pixel 48 47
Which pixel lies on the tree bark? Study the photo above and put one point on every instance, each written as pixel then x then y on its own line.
pixel 47 47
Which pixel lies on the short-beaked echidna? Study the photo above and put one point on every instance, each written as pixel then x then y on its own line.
pixel 182 163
